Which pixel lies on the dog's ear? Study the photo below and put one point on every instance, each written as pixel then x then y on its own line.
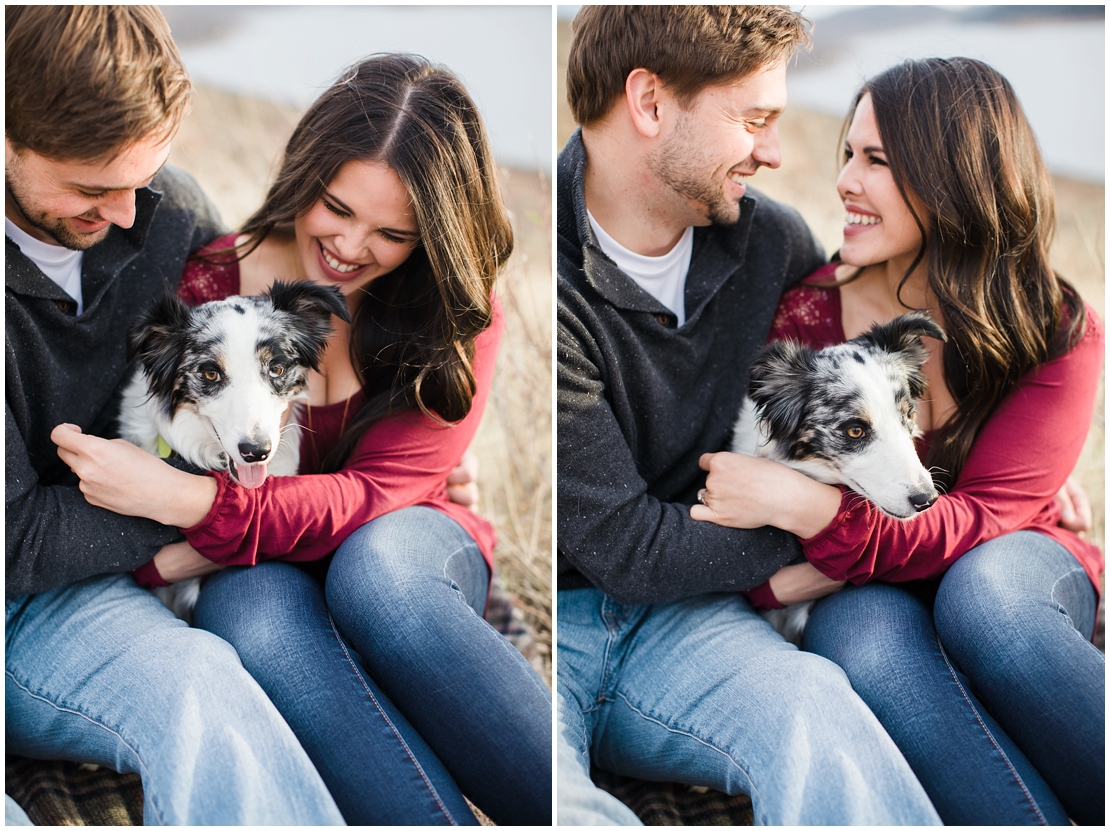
pixel 904 332
pixel 314 304
pixel 157 340
pixel 778 385
pixel 901 337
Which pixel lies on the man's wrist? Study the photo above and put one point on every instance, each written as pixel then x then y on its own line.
pixel 812 509
pixel 192 500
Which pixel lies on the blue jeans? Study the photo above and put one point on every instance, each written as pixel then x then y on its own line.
pixel 703 691
pixel 101 672
pixel 994 693
pixel 402 695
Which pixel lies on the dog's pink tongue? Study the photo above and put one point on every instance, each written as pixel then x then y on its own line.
pixel 251 476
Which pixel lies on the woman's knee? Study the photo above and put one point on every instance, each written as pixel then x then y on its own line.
pixel 1001 596
pixel 398 561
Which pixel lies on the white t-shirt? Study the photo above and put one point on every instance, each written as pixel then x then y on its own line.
pixel 664 278
pixel 57 262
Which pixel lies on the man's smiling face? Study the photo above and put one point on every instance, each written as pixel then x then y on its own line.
pixel 725 134
pixel 75 203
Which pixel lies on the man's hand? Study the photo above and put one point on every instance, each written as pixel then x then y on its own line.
pixel 749 492
pixel 180 561
pixel 123 478
pixel 1075 507
pixel 802 582
pixel 462 482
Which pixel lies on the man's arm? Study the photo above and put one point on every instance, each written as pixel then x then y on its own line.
pixel 636 548
pixel 54 537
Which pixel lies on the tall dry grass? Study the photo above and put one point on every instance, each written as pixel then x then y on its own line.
pixel 232 144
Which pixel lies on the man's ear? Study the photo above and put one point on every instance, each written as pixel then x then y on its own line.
pixel 643 92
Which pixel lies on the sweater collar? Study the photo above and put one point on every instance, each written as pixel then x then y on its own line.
pixel 102 262
pixel 719 251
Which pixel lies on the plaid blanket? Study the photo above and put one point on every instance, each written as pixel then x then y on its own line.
pixel 66 793
pixel 668 803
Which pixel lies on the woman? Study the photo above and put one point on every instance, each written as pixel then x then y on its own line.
pixel 377 657
pixel 949 209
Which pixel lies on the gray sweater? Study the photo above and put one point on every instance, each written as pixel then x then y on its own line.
pixel 64 368
pixel 639 400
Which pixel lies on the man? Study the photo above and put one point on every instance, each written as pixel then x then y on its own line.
pixel 670 269
pixel 97 669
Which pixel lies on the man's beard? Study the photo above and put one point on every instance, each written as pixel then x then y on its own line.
pixel 56 228
pixel 680 165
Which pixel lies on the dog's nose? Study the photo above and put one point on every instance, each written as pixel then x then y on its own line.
pixel 921 501
pixel 254 452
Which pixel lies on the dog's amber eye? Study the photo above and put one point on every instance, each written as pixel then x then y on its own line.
pixel 211 375
pixel 855 432
pixel 276 371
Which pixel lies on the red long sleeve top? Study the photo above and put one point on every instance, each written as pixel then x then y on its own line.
pixel 401 460
pixel 1019 461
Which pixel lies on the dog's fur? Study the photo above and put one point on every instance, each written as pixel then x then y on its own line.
pixel 844 415
pixel 215 381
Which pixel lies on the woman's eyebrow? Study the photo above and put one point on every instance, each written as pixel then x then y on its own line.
pixel 398 232
pixel 339 203
pixel 871 148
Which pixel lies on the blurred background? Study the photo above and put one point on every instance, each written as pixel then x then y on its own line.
pixel 258 67
pixel 1054 56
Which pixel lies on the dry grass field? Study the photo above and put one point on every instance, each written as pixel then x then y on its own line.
pixel 806 180
pixel 231 144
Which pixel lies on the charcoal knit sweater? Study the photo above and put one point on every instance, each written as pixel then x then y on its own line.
pixel 640 400
pixel 64 368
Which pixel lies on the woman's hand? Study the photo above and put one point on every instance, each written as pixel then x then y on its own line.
pixel 180 561
pixel 462 482
pixel 750 492
pixel 802 582
pixel 123 478
pixel 1075 507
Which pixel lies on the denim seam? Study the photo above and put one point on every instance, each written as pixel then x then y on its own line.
pixel 989 735
pixel 385 717
pixel 690 734
pixel 91 720
pixel 1059 605
pixel 608 619
pixel 454 584
pixel 502 641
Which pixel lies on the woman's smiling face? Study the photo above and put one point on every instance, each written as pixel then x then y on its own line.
pixel 363 226
pixel 878 225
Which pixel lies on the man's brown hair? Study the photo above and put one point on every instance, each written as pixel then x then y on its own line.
pixel 84 82
pixel 688 47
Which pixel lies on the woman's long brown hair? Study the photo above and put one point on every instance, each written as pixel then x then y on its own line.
pixel 413 329
pixel 956 138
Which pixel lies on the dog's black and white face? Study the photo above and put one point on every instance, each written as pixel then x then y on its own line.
pixel 845 414
pixel 224 373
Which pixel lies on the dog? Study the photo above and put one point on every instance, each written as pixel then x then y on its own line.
pixel 214 383
pixel 843 415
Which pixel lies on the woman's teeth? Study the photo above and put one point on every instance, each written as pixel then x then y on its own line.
pixel 338 266
pixel 860 219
